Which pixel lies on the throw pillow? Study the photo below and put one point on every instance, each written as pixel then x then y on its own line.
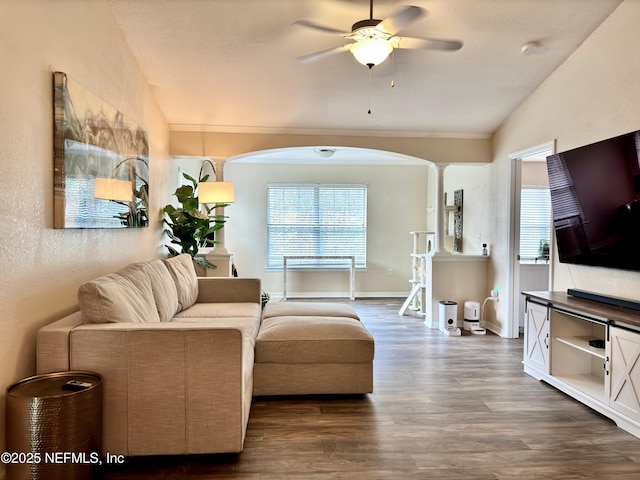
pixel 164 289
pixel 184 275
pixel 123 296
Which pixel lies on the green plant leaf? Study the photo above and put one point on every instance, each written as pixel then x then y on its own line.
pixel 187 226
pixel 203 262
pixel 190 178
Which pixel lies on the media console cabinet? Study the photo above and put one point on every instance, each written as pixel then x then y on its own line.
pixel 559 332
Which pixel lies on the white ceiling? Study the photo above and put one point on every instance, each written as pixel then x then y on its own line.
pixel 231 65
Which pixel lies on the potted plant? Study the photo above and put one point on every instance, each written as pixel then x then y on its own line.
pixel 264 298
pixel 189 227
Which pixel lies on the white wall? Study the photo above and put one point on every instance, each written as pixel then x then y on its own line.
pixel 474 182
pixel 397 204
pixel 591 96
pixel 401 199
pixel 42 267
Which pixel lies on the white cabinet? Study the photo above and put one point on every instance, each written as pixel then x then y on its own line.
pixel 537 337
pixel 588 351
pixel 624 368
pixel 574 361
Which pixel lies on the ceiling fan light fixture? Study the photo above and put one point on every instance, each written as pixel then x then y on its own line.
pixel 371 51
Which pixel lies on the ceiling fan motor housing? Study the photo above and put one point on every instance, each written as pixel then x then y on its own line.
pixel 368 23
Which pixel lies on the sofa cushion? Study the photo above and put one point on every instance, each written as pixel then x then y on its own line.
pixel 221 310
pixel 184 275
pixel 305 339
pixel 313 309
pixel 123 296
pixel 250 326
pixel 165 293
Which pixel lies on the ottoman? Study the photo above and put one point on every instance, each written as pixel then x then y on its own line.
pixel 312 348
pixel 309 309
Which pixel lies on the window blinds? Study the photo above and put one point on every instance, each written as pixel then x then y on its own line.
pixel 316 219
pixel 535 221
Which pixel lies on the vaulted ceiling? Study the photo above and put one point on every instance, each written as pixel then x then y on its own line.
pixel 231 65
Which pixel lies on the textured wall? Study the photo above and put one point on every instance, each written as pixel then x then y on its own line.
pixel 42 267
pixel 590 97
pixel 433 149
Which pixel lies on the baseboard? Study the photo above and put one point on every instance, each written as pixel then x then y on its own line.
pixel 493 328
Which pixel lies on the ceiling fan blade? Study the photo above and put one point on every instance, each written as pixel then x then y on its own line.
pixel 429 44
pixel 312 57
pixel 321 28
pixel 400 19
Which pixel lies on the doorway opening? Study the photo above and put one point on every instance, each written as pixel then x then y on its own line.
pixel 529 241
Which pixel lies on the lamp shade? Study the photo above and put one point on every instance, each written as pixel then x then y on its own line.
pixel 215 192
pixel 371 51
pixel 113 189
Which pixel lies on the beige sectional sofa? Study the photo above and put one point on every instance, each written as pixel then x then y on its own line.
pixel 178 355
pixel 175 353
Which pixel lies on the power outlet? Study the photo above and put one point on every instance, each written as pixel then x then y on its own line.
pixel 389 272
pixel 495 294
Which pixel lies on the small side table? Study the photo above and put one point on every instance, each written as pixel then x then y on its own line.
pixel 223 262
pixel 54 432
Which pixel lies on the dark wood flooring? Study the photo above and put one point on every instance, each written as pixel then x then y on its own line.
pixel 443 408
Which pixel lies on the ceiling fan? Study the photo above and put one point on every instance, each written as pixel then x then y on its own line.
pixel 372 40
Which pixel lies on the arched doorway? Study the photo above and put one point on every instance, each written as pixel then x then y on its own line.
pixel 398 189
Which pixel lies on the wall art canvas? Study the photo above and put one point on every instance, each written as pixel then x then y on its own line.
pixel 101 162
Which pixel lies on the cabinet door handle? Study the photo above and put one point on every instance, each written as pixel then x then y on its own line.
pixel 546 341
pixel 606 366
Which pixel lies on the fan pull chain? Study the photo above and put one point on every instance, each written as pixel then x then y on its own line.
pixel 393 67
pixel 369 112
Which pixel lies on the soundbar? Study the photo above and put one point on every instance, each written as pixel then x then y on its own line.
pixel 608 299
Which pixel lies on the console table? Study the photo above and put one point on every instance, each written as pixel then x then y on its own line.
pixel 560 333
pixel 348 261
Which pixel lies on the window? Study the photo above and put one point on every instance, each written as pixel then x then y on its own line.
pixel 316 219
pixel 535 221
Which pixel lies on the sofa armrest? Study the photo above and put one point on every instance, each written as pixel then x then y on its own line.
pixel 168 388
pixel 228 290
pixel 52 344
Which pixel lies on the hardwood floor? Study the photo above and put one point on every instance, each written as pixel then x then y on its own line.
pixel 443 408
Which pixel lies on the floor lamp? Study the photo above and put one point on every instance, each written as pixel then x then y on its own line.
pixel 220 194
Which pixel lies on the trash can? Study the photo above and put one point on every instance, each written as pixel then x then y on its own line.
pixel 54 426
pixel 448 315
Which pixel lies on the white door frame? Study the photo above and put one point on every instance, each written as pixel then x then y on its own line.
pixel 513 265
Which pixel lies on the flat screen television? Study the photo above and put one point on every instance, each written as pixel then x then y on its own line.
pixel 595 200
